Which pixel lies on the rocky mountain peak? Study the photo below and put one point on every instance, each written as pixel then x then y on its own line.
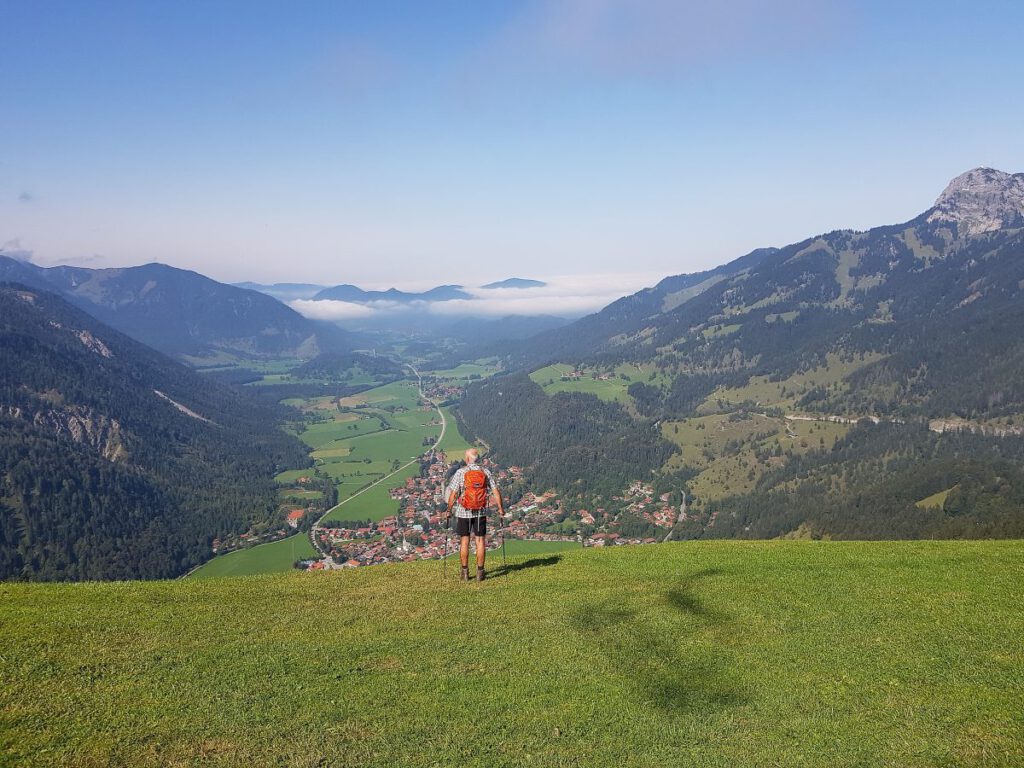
pixel 982 200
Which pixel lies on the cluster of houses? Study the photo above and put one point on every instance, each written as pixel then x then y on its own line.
pixel 577 374
pixel 417 530
pixel 442 390
pixel 639 500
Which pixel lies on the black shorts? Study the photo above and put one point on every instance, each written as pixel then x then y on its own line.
pixel 467 525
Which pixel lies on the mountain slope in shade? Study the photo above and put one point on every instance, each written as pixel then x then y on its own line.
pixel 180 312
pixel 115 461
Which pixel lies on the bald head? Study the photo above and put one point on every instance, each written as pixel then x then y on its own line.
pixel 472 455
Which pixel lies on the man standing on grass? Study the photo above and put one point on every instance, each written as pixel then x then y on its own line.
pixel 467 493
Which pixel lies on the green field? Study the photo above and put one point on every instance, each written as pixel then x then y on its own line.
pixel 935 500
pixel 693 654
pixel 612 387
pixel 276 557
pixel 518 547
pixel 360 439
pixel 453 443
pixel 723 447
pixel 481 368
pixel 717 331
pixel 784 394
pixel 374 503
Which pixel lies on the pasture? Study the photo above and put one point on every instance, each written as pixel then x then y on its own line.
pixel 275 557
pixel 453 444
pixel 705 654
pixel 466 371
pixel 520 547
pixel 608 383
pixel 726 447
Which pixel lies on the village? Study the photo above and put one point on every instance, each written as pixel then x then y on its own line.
pixel 418 530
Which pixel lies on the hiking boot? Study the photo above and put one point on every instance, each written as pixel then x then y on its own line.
pixel 479 574
pixel 465 573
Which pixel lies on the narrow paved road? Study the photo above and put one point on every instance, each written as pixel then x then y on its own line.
pixel 317 527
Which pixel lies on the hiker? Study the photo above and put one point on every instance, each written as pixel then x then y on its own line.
pixel 467 493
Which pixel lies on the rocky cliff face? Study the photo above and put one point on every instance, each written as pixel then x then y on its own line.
pixel 981 200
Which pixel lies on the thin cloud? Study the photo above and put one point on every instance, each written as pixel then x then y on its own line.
pixel 79 261
pixel 563 296
pixel 649 38
pixel 561 306
pixel 13 250
pixel 331 309
pixel 26 197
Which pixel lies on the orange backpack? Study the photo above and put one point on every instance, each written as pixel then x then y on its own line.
pixel 474 490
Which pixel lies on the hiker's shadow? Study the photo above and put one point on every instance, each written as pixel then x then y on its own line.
pixel 536 562
pixel 669 659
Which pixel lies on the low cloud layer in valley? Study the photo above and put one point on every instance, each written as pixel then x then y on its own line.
pixel 561 296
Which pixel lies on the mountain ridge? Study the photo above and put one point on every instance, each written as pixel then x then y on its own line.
pixel 181 312
pixel 115 460
pixel 981 200
pixel 877 333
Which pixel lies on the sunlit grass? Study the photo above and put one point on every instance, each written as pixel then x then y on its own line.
pixel 697 654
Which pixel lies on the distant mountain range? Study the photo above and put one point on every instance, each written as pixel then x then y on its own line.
pixel 356 295
pixel 516 282
pixel 116 461
pixel 345 292
pixel 284 291
pixel 182 313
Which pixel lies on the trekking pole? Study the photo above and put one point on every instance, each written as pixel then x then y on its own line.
pixel 501 529
pixel 444 560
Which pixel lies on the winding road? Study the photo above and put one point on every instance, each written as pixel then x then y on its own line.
pixel 317 527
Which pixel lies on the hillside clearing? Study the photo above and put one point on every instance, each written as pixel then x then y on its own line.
pixel 275 557
pixel 699 654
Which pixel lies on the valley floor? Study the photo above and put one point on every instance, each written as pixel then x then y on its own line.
pixel 698 653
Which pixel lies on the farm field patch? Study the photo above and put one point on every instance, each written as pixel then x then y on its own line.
pixel 275 557
pixel 609 384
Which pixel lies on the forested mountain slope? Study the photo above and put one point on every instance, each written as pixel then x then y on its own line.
pixel 855 384
pixel 115 461
pixel 182 313
pixel 938 300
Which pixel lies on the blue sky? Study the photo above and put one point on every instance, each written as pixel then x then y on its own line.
pixel 424 142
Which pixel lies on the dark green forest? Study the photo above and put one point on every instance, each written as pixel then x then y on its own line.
pixel 942 317
pixel 951 332
pixel 101 477
pixel 867 487
pixel 569 441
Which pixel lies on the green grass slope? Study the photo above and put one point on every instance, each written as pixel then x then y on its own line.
pixel 275 557
pixel 697 654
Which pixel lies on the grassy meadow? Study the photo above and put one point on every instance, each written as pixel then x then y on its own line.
pixel 517 547
pixel 453 443
pixel 481 368
pixel 275 557
pixel 726 654
pixel 724 447
pixel 360 439
pixel 612 388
